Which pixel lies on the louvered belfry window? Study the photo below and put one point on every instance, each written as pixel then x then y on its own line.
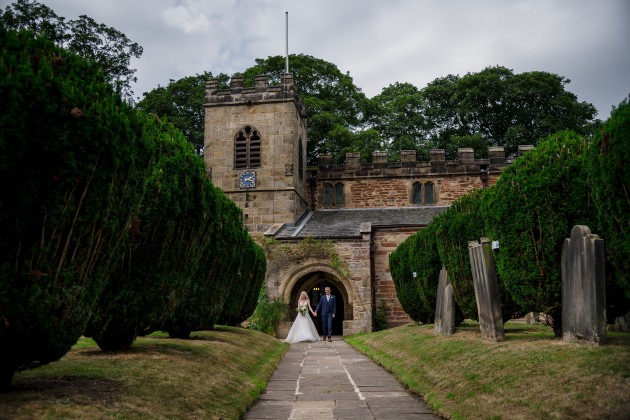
pixel 247 148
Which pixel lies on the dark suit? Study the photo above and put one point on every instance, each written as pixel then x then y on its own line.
pixel 328 309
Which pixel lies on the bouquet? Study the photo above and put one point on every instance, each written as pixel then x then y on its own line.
pixel 302 310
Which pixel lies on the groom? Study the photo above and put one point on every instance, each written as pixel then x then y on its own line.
pixel 328 304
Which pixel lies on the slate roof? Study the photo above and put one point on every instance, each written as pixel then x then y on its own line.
pixel 346 223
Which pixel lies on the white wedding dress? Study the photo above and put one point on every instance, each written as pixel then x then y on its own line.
pixel 303 328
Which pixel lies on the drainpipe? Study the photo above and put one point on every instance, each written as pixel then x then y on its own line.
pixel 313 187
pixel 373 282
pixel 367 234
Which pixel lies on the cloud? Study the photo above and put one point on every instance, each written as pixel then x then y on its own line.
pixel 378 42
pixel 187 18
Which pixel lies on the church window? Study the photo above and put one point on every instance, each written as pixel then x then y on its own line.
pixel 416 193
pixel 328 194
pixel 423 193
pixel 334 194
pixel 429 193
pixel 339 197
pixel 247 148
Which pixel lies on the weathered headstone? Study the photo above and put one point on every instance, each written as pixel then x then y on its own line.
pixel 622 323
pixel 583 287
pixel 444 306
pixel 486 289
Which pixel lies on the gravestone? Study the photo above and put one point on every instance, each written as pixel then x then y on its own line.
pixel 486 289
pixel 583 287
pixel 444 306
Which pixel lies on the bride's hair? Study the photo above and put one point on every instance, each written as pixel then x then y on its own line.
pixel 303 296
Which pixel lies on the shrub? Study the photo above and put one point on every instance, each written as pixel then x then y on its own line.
pixel 241 306
pixel 221 276
pixel 609 176
pixel 462 222
pixel 69 164
pixel 268 314
pixel 168 241
pixel 531 210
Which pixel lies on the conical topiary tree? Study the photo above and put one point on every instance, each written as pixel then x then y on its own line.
pixel 69 164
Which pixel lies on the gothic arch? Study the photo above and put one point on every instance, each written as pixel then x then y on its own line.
pixel 349 290
pixel 313 267
pixel 247 147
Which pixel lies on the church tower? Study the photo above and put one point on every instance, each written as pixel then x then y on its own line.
pixel 255 148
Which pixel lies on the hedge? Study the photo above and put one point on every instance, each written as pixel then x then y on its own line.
pixel 531 210
pixel 418 254
pixel 609 179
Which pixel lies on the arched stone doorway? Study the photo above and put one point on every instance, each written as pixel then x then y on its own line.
pixel 313 284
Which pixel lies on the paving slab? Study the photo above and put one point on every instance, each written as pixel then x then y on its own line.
pixel 334 381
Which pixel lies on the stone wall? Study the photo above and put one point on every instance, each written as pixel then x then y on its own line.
pixel 288 272
pixel 385 242
pixel 383 184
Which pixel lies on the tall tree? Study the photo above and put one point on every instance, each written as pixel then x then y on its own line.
pixel 399 118
pixel 182 103
pixel 334 104
pixel 504 108
pixel 108 47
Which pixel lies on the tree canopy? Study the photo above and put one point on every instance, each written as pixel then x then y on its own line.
pixel 493 107
pixel 504 108
pixel 182 102
pixel 335 106
pixel 107 46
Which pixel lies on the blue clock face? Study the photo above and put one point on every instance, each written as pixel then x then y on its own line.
pixel 247 179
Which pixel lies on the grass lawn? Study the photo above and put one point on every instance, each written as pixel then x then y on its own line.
pixel 530 375
pixel 215 374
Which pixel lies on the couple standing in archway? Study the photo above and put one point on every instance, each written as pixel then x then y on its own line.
pixel 303 328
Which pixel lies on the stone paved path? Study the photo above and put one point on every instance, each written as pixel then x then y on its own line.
pixel 333 381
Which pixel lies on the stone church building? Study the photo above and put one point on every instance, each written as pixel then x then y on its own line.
pixel 334 225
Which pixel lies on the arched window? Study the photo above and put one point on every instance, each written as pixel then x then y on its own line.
pixel 247 148
pixel 328 194
pixel 334 194
pixel 416 193
pixel 423 194
pixel 339 196
pixel 429 196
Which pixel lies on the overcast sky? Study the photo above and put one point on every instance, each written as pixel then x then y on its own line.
pixel 378 42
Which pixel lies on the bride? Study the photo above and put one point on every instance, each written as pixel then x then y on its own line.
pixel 303 328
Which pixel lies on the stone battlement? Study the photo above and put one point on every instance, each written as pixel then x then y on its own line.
pixel 408 165
pixel 262 92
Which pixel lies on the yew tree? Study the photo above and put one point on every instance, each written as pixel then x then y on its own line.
pixel 73 181
pixel 609 179
pixel 531 210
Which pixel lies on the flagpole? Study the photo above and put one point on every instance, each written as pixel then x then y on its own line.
pixel 286 57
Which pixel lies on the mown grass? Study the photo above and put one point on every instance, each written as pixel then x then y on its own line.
pixel 215 374
pixel 530 375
